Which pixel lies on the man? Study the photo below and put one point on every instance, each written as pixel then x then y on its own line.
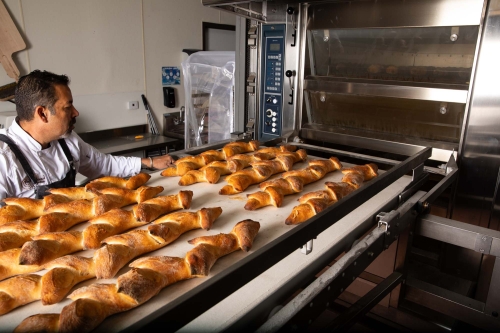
pixel 40 150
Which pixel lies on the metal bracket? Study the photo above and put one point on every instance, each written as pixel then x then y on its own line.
pixel 307 247
pixel 417 172
pixel 451 164
pixel 389 221
pixel 483 244
pixel 252 37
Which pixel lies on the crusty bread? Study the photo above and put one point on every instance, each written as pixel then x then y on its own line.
pixel 260 171
pixel 92 304
pixel 19 290
pixel 21 209
pixel 49 246
pixel 189 163
pixel 120 249
pixel 314 202
pixel 131 183
pixel 108 224
pixel 42 323
pixel 113 197
pixel 273 191
pixel 149 210
pixel 235 148
pixel 15 234
pixel 71 193
pixel 63 216
pixel 63 274
pixel 9 264
pixel 212 172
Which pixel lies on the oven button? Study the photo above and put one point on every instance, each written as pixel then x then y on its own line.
pixel 273 130
pixel 275 101
pixel 274 124
pixel 274 113
pixel 274 118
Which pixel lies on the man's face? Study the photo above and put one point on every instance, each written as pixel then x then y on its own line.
pixel 64 119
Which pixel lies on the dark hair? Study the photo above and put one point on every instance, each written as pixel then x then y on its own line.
pixel 37 89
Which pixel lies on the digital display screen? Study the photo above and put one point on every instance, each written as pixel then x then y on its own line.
pixel 274 47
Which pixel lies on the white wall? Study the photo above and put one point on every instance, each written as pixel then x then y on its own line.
pixel 113 51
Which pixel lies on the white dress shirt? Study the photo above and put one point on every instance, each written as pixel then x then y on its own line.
pixel 51 165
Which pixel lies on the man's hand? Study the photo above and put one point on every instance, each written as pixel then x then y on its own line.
pixel 159 162
pixel 163 162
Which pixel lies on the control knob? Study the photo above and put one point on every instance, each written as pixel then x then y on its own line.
pixel 269 113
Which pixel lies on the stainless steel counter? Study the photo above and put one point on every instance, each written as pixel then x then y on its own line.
pixel 132 143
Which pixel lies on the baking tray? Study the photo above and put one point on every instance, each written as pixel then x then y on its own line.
pixel 205 195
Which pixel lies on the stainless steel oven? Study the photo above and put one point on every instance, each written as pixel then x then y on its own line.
pixel 376 77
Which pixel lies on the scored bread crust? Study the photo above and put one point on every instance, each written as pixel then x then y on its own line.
pixel 273 191
pixel 212 172
pixel 120 249
pixel 189 163
pixel 151 209
pixel 21 209
pixel 67 271
pixel 49 246
pixel 314 202
pixel 131 183
pixel 260 171
pixel 63 216
pixel 108 224
pixel 9 264
pixel 15 234
pixel 92 304
pixel 19 290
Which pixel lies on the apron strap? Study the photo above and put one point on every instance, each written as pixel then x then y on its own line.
pixel 20 156
pixel 66 151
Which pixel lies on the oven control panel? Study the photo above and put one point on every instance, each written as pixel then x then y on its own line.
pixel 273 55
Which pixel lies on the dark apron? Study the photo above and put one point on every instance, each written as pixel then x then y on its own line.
pixel 41 190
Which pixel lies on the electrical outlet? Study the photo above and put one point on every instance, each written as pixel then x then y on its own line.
pixel 133 105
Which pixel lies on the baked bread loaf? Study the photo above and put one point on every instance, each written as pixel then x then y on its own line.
pixel 131 183
pixel 260 171
pixel 273 191
pixel 70 193
pixel 63 216
pixel 49 246
pixel 120 249
pixel 314 202
pixel 108 224
pixel 19 290
pixel 212 172
pixel 67 271
pixel 59 195
pixel 186 164
pixel 15 234
pixel 21 209
pixel 234 148
pixel 9 264
pixel 92 304
pixel 42 323
pixel 63 274
pixel 149 210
